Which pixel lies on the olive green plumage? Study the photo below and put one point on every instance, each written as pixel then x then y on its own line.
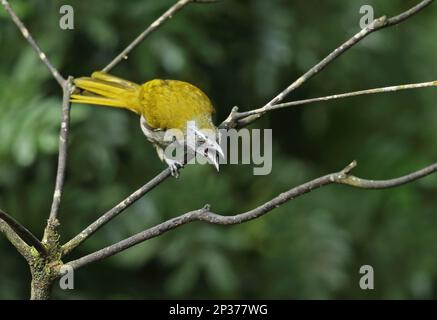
pixel 165 104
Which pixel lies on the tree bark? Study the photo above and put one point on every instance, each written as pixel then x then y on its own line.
pixel 40 288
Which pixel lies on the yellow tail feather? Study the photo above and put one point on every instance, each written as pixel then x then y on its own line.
pixel 77 98
pixel 103 88
pixel 107 90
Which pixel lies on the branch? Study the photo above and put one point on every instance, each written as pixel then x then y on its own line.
pixel 16 234
pixel 155 25
pixel 235 119
pixel 206 215
pixel 385 184
pixel 26 34
pixel 342 96
pixel 63 135
pixel 67 89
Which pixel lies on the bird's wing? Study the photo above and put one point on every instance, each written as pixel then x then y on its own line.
pixel 100 75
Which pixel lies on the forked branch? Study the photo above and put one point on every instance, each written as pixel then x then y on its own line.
pixel 238 120
pixel 65 121
pixel 342 96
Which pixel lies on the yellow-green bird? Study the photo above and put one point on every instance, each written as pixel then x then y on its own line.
pixel 162 105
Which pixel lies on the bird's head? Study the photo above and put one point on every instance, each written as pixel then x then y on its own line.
pixel 204 141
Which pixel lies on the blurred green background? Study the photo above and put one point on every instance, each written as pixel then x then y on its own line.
pixel 240 53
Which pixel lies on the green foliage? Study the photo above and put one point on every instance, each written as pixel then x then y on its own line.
pixel 241 53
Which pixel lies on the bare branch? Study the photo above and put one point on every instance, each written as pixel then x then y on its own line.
pixel 63 136
pixel 385 184
pixel 67 88
pixel 236 120
pixel 26 34
pixel 206 215
pixel 342 96
pixel 155 25
pixel 407 14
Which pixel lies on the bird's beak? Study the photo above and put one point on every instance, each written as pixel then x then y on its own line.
pixel 212 151
pixel 209 148
pixel 214 147
pixel 213 156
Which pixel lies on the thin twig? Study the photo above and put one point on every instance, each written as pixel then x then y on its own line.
pixel 407 14
pixel 26 34
pixel 155 25
pixel 235 120
pixel 206 215
pixel 62 157
pixel 385 184
pixel 344 95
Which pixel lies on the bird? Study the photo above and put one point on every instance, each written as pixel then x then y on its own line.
pixel 163 106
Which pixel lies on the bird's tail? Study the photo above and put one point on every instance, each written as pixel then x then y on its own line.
pixel 107 90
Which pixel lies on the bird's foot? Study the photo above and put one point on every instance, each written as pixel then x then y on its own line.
pixel 174 166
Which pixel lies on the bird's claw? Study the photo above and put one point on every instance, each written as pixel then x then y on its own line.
pixel 174 166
